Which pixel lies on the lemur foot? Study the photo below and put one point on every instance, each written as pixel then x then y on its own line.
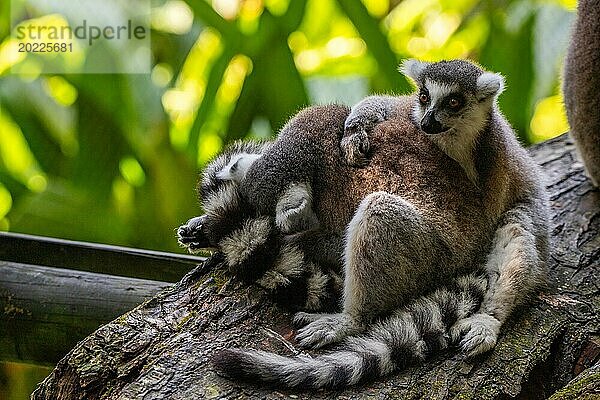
pixel 302 318
pixel 477 333
pixel 325 329
pixel 191 235
pixel 355 148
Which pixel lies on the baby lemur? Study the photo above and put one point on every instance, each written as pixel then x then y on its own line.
pixel 281 220
pixel 426 208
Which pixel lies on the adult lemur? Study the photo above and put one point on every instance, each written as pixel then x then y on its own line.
pixel 582 86
pixel 426 208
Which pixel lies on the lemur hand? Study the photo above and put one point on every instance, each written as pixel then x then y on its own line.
pixel 477 333
pixel 191 235
pixel 363 117
pixel 324 329
pixel 355 146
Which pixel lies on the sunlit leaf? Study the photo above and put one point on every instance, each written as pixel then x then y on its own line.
pixel 549 119
pixel 388 76
pixel 5 201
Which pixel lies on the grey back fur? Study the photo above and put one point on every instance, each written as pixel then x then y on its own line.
pixel 581 86
pixel 404 163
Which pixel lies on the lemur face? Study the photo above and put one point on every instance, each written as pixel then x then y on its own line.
pixel 442 106
pixel 452 95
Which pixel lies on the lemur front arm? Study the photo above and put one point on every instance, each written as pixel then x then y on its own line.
pixel 515 268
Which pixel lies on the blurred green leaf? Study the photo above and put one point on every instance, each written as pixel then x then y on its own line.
pixel 31 109
pixel 377 43
pixel 509 49
pixel 101 147
pixel 550 39
pixel 210 93
pixel 211 18
pixel 65 211
pixel 293 16
pixel 242 72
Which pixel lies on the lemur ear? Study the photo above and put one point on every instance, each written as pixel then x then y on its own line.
pixel 489 84
pixel 236 168
pixel 294 211
pixel 413 68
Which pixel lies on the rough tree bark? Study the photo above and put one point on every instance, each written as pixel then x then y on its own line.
pixel 160 350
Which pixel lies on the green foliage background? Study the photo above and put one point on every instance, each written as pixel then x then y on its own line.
pixel 114 158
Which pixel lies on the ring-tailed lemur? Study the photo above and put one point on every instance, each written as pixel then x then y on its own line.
pixel 302 189
pixel 581 86
pixel 396 236
pixel 457 110
pixel 442 239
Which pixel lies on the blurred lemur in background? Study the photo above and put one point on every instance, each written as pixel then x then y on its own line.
pixel 448 191
pixel 581 86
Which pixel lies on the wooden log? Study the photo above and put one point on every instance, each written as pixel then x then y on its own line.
pixel 46 311
pixel 95 257
pixel 161 349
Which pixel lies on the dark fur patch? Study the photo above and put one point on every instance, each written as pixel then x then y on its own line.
pixel 233 364
pixel 421 316
pixel 403 355
pixel 226 220
pixel 474 291
pixel 262 259
pixel 434 340
pixel 294 294
pixel 307 382
pixel 330 301
pixel 339 377
pixel 453 72
pixel 370 367
pixel 449 309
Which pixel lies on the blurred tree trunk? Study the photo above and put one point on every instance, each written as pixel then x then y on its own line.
pixel 160 350
pixel 46 310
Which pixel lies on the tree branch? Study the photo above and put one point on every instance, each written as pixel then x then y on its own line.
pixel 161 348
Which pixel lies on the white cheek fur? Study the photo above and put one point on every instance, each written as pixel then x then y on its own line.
pixel 465 127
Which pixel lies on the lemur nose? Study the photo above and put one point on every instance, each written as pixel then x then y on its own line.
pixel 431 125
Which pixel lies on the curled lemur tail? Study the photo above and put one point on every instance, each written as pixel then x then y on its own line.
pixel 252 246
pixel 405 338
pixel 260 253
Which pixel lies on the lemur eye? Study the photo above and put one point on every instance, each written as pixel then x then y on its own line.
pixel 454 103
pixel 424 98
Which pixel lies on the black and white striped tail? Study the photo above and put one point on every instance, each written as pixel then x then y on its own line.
pixel 257 253
pixel 403 339
pixel 252 246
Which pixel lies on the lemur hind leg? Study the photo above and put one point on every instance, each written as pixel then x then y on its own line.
pixel 380 275
pixel 516 270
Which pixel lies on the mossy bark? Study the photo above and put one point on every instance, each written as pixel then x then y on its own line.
pixel 160 350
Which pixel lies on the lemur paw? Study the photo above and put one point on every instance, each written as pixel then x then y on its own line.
pixel 303 318
pixel 355 147
pixel 477 333
pixel 192 236
pixel 326 329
